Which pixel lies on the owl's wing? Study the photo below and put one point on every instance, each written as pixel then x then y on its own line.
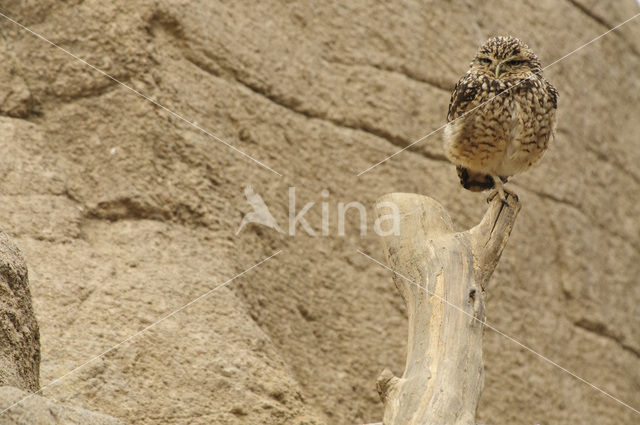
pixel 463 97
pixel 553 94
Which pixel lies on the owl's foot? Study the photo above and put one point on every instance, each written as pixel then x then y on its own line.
pixel 504 194
pixel 499 190
pixel 495 193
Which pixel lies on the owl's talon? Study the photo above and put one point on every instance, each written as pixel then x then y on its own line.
pixel 501 194
pixel 505 199
pixel 492 195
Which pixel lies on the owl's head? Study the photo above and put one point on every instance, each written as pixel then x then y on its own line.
pixel 506 58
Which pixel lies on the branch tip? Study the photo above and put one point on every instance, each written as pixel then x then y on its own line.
pixel 385 383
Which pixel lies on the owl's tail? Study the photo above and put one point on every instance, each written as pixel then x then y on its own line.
pixel 475 181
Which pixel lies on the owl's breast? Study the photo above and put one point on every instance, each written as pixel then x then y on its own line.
pixel 505 128
pixel 477 136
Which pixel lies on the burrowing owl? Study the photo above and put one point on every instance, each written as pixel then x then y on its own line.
pixel 513 120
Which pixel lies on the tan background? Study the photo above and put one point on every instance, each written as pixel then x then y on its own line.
pixel 125 213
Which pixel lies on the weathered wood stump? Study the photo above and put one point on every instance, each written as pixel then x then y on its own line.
pixel 441 275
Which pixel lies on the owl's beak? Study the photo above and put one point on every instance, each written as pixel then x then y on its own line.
pixel 498 70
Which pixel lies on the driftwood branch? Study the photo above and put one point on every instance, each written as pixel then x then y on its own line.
pixel 441 275
pixel 19 333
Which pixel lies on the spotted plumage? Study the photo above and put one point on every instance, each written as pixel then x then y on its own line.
pixel 501 116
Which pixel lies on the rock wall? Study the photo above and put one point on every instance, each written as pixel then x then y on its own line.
pixel 125 212
pixel 38 410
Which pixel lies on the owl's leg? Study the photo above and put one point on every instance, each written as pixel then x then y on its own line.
pixel 498 189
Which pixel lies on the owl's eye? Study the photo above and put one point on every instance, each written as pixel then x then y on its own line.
pixel 516 62
pixel 484 61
